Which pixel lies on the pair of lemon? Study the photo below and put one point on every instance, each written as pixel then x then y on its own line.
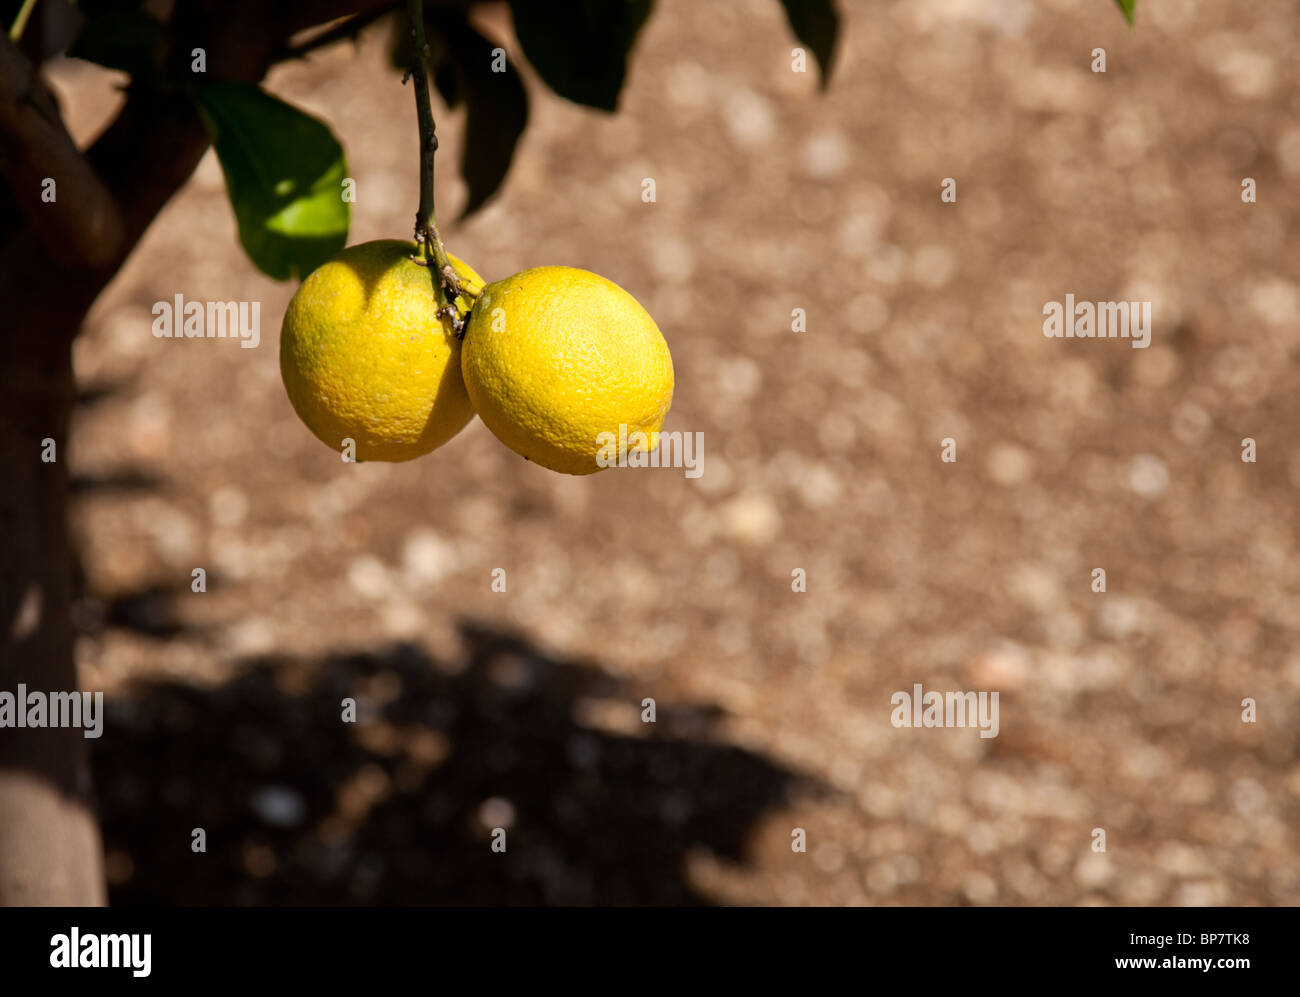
pixel 551 359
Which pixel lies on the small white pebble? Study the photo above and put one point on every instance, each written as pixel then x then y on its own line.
pixel 279 806
pixel 1148 476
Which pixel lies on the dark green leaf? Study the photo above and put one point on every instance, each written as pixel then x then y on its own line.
pixel 442 68
pixel 445 64
pixel 284 172
pixel 446 78
pixel 496 104
pixel 816 24
pixel 580 47
pixel 1128 7
pixel 399 41
pixel 123 37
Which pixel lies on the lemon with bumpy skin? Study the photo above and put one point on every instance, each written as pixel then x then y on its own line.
pixel 365 356
pixel 555 358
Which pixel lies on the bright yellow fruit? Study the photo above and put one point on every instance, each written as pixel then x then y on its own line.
pixel 553 357
pixel 364 355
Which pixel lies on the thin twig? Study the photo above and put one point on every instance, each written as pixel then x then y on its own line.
pixel 446 284
pixel 348 28
pixel 20 22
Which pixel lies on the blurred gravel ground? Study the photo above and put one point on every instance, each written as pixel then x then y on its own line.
pixel 1118 710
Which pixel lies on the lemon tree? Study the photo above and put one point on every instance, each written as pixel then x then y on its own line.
pixel 193 72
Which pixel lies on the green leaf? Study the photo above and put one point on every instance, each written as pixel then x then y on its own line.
pixel 446 78
pixel 441 63
pixel 121 36
pixel 816 24
pixel 284 173
pixel 1128 7
pixel 496 104
pixel 580 47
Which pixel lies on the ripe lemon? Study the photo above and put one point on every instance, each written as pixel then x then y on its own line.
pixel 554 357
pixel 364 356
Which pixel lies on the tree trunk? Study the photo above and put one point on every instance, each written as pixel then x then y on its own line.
pixel 50 851
pixel 55 258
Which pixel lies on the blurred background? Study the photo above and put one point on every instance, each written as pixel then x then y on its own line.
pixel 522 710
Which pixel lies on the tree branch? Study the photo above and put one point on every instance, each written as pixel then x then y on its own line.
pixel 446 285
pixel 108 197
pixel 346 29
pixel 147 154
pixel 83 224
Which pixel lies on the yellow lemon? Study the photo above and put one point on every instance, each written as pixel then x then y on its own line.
pixel 365 357
pixel 559 362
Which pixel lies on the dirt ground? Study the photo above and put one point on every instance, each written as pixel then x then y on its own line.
pixel 479 709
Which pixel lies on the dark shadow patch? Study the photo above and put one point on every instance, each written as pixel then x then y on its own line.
pixel 127 481
pixel 301 808
pixel 96 392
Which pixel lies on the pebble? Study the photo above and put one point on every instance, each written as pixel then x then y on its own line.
pixel 716 477
pixel 888 264
pixel 752 519
pixel 1189 423
pixel 722 569
pixel 1005 667
pixel 250 636
pixel 497 811
pixel 689 85
pixel 818 486
pixel 933 266
pixel 829 858
pixel 227 506
pixel 672 258
pixel 1249 798
pixel 980 888
pixel 1094 870
pixel 1010 464
pixel 1243 72
pixel 1203 893
pixel 279 806
pixel 867 313
pixel 1118 616
pixel 1288 151
pixel 749 118
pixel 427 558
pixel 1148 476
pixel 879 879
pixel 1276 300
pixel 825 155
pixel 739 376
pixel 369 577
pixel 732 637
pixel 1179 859
pixel 174 535
pixel 1146 762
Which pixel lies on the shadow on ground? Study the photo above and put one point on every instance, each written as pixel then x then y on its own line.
pixel 300 807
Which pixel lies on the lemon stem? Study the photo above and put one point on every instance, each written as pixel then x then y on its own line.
pixel 446 285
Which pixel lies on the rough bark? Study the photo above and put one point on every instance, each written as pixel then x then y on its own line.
pixel 55 258
pixel 49 844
